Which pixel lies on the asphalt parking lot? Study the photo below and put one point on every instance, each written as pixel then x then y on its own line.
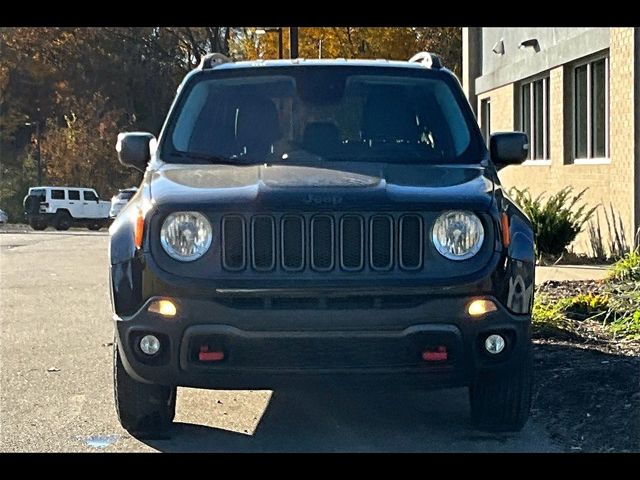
pixel 56 384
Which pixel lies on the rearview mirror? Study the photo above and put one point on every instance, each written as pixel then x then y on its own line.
pixel 508 148
pixel 133 149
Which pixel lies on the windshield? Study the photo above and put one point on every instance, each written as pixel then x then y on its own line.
pixel 332 113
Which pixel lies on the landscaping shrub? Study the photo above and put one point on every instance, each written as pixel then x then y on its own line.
pixel 556 222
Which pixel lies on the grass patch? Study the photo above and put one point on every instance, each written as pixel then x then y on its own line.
pixel 614 306
pixel 627 269
pixel 584 306
pixel 549 321
pixel 627 327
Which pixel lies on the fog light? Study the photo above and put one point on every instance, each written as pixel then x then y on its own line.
pixel 150 344
pixel 163 307
pixel 480 307
pixel 494 344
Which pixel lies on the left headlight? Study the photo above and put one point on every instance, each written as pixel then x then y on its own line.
pixel 186 236
pixel 457 234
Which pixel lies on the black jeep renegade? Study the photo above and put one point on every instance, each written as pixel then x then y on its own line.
pixel 325 222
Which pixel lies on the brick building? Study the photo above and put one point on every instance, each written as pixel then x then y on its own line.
pixel 576 93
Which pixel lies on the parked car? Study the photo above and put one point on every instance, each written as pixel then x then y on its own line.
pixel 64 207
pixel 119 200
pixel 4 218
pixel 326 222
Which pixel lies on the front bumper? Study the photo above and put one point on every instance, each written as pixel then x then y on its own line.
pixel 285 344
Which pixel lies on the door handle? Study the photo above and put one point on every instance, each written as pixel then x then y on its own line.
pixel 85 203
pixel 72 203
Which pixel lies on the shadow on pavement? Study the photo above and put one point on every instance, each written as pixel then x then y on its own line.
pixel 355 422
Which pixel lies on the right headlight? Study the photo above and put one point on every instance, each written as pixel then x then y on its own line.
pixel 458 234
pixel 186 236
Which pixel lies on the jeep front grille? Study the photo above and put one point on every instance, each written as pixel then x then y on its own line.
pixel 322 242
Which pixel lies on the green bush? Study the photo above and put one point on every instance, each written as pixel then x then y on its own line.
pixel 556 222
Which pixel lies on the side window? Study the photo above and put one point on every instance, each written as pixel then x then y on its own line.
pixel 57 194
pixel 74 195
pixel 89 196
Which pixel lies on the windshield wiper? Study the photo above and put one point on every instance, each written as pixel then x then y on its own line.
pixel 217 159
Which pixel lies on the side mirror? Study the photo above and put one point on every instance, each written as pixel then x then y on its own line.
pixel 508 148
pixel 133 149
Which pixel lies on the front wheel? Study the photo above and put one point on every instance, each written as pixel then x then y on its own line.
pixel 144 410
pixel 500 401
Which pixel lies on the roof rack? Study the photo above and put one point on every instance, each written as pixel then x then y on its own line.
pixel 428 59
pixel 212 60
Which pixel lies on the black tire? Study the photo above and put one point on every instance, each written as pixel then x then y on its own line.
pixel 62 221
pixel 501 401
pixel 144 410
pixel 37 225
pixel 94 226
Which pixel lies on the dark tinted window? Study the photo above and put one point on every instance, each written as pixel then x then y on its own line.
pixel 525 112
pixel 40 192
pixel 57 194
pixel 580 111
pixel 88 195
pixel 534 117
pixel 126 195
pixel 598 104
pixel 357 113
pixel 74 195
pixel 485 118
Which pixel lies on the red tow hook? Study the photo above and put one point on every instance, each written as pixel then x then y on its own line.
pixel 206 356
pixel 439 355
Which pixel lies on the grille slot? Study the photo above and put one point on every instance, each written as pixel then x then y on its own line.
pixel 410 242
pixel 381 242
pixel 233 239
pixel 322 243
pixel 292 243
pixel 263 243
pixel 351 242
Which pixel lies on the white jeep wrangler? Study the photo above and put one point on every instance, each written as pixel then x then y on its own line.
pixel 63 207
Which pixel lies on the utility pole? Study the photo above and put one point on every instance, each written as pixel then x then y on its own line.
pixel 293 42
pixel 37 125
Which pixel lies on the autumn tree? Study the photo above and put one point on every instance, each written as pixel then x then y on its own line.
pixel 393 43
pixel 84 85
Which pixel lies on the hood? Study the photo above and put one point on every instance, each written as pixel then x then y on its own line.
pixel 338 185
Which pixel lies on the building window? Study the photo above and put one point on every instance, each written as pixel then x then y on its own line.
pixel 591 110
pixel 534 116
pixel 485 118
